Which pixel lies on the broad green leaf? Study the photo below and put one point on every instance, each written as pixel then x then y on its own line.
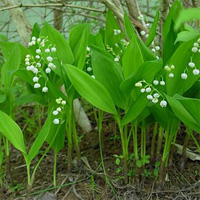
pixel 10 67
pixel 184 112
pixel 41 137
pixel 12 132
pixel 78 41
pixel 186 36
pixel 2 98
pixel 96 40
pixel 180 60
pixel 108 72
pixel 132 58
pixel 111 39
pixel 90 89
pixel 135 109
pixel 128 26
pixel 64 52
pixel 152 32
pixel 146 71
pixel 187 15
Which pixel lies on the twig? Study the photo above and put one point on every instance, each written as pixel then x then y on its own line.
pixel 50 5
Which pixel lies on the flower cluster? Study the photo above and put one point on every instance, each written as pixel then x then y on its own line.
pixel 42 58
pixel 169 69
pixel 116 31
pixel 152 93
pixel 155 49
pixel 191 64
pixel 88 60
pixel 58 110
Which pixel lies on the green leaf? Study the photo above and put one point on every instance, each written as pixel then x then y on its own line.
pixel 184 111
pixel 132 58
pixel 2 98
pixel 64 52
pixel 108 73
pixel 187 15
pixel 186 36
pixel 128 26
pixel 10 67
pixel 180 60
pixel 40 139
pixel 139 163
pixel 12 132
pixel 90 89
pixel 78 41
pixel 152 32
pixel 135 109
pixel 117 161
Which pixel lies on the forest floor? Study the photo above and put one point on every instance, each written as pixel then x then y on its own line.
pixel 90 184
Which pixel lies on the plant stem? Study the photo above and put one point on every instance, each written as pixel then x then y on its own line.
pixel 184 158
pixel 54 168
pixel 160 137
pixel 153 142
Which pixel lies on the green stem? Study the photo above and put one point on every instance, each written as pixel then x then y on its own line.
pixel 54 168
pixel 100 121
pixel 153 142
pixel 160 138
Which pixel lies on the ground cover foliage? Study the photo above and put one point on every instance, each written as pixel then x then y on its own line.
pixel 142 98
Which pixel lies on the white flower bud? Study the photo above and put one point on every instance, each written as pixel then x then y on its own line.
pixel 171 75
pixel 39 64
pixel 147 35
pixel 157 48
pixel 55 112
pixel 63 102
pixel 118 31
pixel 93 76
pixel 53 49
pixel 89 69
pixel 156 95
pixel 33 38
pixel 141 17
pixel 162 82
pixel 153 50
pixel 45 89
pixel 148 25
pixel 157 57
pixel 37 57
pixel 28 56
pixel 195 72
pixel 30 44
pixel 142 90
pixel 26 59
pixel 172 67
pixel 38 40
pixel 191 64
pixel 28 68
pixel 163 103
pixel 142 32
pixel 116 45
pixel 56 121
pixel 47 70
pixel 167 68
pixel 36 85
pixel 49 58
pixel 138 84
pixel 27 63
pixel 38 51
pixel 198 40
pixel 184 76
pixel 155 82
pixel 148 89
pixel 196 44
pixel 32 68
pixel 47 50
pixel 150 97
pixel 35 70
pixel 194 49
pixel 35 79
pixel 59 109
pixel 116 59
pixel 33 42
pixel 155 100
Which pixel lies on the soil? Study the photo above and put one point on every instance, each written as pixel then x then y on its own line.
pixel 89 183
